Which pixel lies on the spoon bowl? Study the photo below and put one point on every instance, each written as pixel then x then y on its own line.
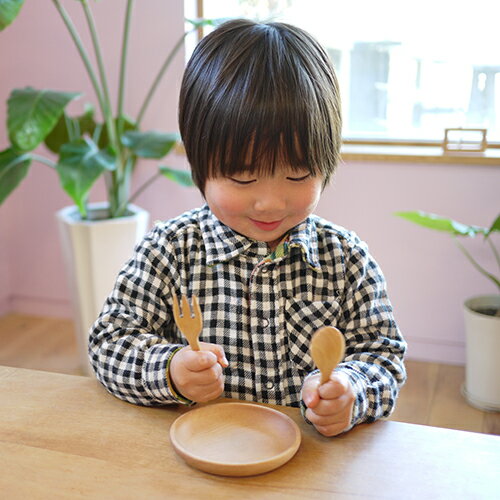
pixel 327 350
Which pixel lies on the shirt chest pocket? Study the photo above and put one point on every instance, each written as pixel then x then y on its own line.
pixel 302 319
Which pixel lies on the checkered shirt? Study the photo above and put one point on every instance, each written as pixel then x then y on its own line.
pixel 262 312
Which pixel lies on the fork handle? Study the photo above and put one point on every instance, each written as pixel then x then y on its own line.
pixel 195 345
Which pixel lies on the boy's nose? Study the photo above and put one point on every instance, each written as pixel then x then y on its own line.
pixel 269 200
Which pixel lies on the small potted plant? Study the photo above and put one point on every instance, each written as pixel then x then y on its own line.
pixel 482 314
pixel 96 238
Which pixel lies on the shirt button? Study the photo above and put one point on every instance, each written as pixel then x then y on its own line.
pixel 265 322
pixel 269 385
pixel 264 270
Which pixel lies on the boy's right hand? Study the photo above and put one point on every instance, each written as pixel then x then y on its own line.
pixel 197 375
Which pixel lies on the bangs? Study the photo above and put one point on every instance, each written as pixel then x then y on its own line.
pixel 258 148
pixel 267 99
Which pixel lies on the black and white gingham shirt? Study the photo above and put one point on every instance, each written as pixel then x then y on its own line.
pixel 262 313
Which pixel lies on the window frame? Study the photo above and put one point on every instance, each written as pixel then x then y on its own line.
pixel 402 150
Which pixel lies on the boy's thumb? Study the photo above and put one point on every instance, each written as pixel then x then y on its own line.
pixel 219 353
pixel 310 394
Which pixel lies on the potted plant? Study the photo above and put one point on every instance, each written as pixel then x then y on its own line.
pixel 482 314
pixel 96 238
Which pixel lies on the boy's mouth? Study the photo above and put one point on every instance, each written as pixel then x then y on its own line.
pixel 267 226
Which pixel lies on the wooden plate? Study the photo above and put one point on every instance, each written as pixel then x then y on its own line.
pixel 235 439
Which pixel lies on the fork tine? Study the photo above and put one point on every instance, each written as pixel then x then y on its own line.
pixel 196 310
pixel 189 323
pixel 185 309
pixel 175 304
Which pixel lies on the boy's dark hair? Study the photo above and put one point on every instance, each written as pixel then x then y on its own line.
pixel 256 95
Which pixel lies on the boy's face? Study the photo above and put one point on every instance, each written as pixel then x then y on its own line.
pixel 264 208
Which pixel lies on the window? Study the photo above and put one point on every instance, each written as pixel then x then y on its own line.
pixel 407 70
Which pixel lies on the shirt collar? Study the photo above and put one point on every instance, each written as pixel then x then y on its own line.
pixel 223 244
pixel 305 237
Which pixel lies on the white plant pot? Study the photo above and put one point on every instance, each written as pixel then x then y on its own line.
pixel 482 370
pixel 94 251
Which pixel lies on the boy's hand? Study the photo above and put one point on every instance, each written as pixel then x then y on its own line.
pixel 197 375
pixel 329 406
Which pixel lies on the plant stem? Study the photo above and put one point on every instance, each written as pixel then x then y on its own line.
pixel 110 183
pixel 123 65
pixel 159 76
pixel 108 115
pixel 83 53
pixel 118 196
pixel 41 159
pixel 495 251
pixel 145 186
pixel 477 266
pixel 103 105
pixel 129 167
pixel 69 127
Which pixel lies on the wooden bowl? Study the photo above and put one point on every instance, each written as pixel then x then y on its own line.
pixel 235 439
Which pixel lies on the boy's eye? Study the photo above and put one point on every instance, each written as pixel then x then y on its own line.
pixel 298 179
pixel 240 181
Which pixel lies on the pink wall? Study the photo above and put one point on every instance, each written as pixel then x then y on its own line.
pixel 428 277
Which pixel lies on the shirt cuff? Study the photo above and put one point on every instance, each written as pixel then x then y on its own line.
pixel 155 374
pixel 178 397
pixel 359 387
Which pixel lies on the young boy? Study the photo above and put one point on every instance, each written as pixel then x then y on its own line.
pixel 260 119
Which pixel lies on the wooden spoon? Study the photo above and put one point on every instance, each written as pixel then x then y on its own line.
pixel 327 350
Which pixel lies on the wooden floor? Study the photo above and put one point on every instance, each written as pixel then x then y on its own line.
pixel 431 395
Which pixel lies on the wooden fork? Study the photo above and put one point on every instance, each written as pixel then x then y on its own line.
pixel 189 325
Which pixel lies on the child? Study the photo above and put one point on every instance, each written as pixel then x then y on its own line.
pixel 260 119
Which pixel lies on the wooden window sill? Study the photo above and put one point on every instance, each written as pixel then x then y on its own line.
pixel 417 154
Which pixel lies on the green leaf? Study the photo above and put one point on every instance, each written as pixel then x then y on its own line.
pixel 9 9
pixel 128 125
pixel 80 164
pixel 32 114
pixel 13 169
pixel 81 125
pixel 149 144
pixel 182 177
pixel 439 223
pixel 494 227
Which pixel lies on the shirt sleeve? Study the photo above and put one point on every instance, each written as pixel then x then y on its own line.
pixel 375 347
pixel 133 339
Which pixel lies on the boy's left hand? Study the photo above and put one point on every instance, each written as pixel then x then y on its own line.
pixel 329 406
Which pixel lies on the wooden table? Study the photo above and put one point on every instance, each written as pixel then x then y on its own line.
pixel 64 436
